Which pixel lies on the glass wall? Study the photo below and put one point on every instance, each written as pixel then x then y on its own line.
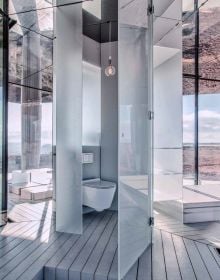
pixel 168 109
pixel 134 132
pixel 30 89
pixel 209 93
pixel 188 131
pixel 91 95
pixel 3 113
pixel 201 95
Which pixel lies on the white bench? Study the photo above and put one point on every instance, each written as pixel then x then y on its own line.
pixel 16 189
pixel 37 193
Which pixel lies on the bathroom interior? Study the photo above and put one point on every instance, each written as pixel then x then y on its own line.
pixel 100 108
pixel 97 126
pixel 98 116
pixel 31 181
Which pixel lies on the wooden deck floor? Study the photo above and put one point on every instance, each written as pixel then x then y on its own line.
pixel 207 233
pixel 24 211
pixel 180 252
pixel 30 248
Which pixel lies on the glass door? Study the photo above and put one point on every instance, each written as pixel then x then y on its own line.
pixel 135 132
pixel 3 111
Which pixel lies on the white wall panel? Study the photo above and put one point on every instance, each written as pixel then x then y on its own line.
pixel 68 87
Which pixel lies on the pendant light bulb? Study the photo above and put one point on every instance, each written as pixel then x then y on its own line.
pixel 110 69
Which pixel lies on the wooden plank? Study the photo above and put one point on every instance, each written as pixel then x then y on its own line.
pixel 11 260
pixel 63 266
pixel 80 261
pixel 188 229
pixel 215 254
pixel 10 250
pixel 50 266
pixel 171 263
pixel 191 233
pixel 19 264
pixel 203 241
pixel 196 260
pixel 34 264
pixel 185 265
pixel 113 273
pixel 176 227
pixel 23 211
pixel 91 265
pixel 209 261
pixel 12 232
pixel 27 211
pixel 107 258
pixel 17 217
pixel 19 237
pixel 158 261
pixel 144 266
pixel 34 208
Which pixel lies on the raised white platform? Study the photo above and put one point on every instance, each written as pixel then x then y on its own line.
pixel 20 177
pixel 37 193
pixel 199 207
pixel 16 189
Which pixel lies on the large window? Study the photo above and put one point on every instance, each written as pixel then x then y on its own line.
pixel 201 94
pixel 30 85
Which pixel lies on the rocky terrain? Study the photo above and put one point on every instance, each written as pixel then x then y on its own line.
pixel 209 49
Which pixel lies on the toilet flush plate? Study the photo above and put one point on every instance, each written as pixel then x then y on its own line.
pixel 87 158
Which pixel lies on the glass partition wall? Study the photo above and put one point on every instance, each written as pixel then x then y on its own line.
pixel 30 102
pixel 201 99
pixel 167 27
pixel 135 131
pixel 3 110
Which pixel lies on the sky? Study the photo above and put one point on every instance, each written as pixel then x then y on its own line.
pixel 209 118
pixel 14 123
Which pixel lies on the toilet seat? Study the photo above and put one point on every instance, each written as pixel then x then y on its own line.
pixel 98 194
pixel 99 184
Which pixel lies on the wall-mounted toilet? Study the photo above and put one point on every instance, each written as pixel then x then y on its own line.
pixel 98 194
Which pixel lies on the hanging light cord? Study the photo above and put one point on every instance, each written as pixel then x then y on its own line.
pixel 110 36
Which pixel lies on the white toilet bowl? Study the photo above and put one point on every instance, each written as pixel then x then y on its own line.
pixel 98 194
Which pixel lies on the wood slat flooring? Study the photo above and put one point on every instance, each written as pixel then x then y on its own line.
pixel 181 251
pixel 174 257
pixel 30 248
pixel 207 232
pixel 23 211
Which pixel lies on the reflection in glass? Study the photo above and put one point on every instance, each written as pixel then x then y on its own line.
pixel 209 132
pixel 188 131
pixel 37 16
pixel 29 131
pixel 91 95
pixel 22 6
pixel 189 44
pixel 30 88
pixel 134 192
pixel 3 189
pixel 209 40
pixel 30 59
